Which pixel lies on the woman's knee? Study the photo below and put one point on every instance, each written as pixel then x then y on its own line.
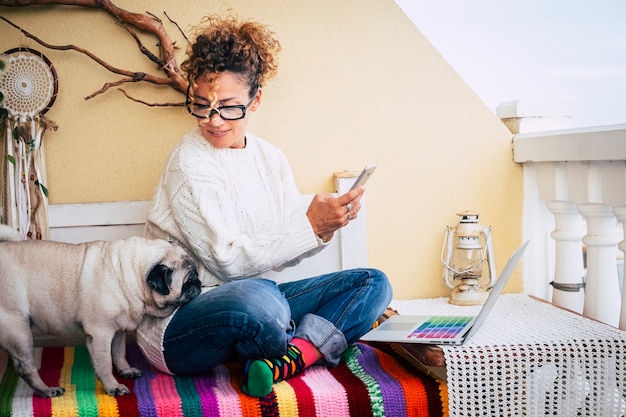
pixel 382 281
pixel 268 319
pixel 259 297
pixel 248 308
pixel 378 285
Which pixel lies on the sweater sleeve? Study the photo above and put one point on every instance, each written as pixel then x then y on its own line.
pixel 238 221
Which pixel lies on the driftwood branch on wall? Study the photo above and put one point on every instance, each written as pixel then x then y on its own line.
pixel 131 22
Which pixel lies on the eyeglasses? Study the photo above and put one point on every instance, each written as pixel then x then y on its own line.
pixel 206 111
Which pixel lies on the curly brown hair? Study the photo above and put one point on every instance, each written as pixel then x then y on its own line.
pixel 246 48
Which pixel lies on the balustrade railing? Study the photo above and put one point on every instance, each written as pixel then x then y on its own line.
pixel 575 215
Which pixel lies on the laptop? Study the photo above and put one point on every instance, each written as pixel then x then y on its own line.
pixel 442 330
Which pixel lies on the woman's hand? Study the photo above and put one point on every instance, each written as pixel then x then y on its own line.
pixel 328 213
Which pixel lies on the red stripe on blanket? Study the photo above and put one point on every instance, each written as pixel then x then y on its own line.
pixel 306 403
pixel 358 397
pixel 128 402
pixel 51 376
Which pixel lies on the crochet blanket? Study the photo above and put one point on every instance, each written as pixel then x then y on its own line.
pixel 370 381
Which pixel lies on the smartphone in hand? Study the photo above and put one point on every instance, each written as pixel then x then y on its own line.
pixel 364 176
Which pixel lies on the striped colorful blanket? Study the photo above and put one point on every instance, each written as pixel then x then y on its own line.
pixel 370 381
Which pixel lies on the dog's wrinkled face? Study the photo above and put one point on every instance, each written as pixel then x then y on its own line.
pixel 172 282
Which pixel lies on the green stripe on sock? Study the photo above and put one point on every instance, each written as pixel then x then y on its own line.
pixel 261 374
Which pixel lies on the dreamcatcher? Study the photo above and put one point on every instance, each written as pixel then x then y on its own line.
pixel 28 88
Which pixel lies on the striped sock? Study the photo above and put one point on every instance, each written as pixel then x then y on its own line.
pixel 261 374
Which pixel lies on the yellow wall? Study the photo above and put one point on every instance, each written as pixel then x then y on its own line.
pixel 357 84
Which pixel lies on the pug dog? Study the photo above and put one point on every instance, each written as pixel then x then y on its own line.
pixel 101 289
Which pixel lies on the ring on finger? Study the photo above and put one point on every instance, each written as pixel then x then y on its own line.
pixel 349 216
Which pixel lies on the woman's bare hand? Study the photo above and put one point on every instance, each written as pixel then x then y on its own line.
pixel 328 213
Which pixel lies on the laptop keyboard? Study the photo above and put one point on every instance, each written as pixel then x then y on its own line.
pixel 445 327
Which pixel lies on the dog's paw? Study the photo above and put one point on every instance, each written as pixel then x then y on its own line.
pixel 52 392
pixel 119 389
pixel 130 373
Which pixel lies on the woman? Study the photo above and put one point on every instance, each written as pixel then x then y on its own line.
pixel 230 199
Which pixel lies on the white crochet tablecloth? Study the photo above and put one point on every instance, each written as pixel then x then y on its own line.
pixel 532 359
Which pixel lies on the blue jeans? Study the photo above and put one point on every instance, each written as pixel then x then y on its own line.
pixel 256 318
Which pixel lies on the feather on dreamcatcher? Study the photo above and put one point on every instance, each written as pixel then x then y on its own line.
pixel 28 88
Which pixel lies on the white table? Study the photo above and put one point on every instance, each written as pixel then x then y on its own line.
pixel 532 359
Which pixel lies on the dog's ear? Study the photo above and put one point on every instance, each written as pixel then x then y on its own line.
pixel 160 279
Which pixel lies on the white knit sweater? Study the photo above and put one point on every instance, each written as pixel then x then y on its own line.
pixel 238 212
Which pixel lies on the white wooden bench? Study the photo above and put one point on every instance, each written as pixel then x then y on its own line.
pixel 76 223
pixel 85 222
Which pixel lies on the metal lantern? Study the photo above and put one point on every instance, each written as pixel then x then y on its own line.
pixel 469 266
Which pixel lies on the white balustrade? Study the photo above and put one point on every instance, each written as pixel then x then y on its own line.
pixel 602 297
pixel 620 213
pixel 569 271
pixel 579 177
